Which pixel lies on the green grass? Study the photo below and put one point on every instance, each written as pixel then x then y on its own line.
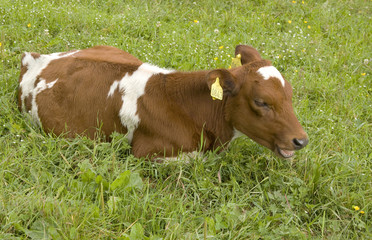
pixel 56 188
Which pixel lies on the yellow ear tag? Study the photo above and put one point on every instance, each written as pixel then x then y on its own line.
pixel 236 61
pixel 216 90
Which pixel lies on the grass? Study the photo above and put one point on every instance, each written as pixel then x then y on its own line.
pixel 56 188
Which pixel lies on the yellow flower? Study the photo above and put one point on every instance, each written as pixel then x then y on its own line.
pixel 303 50
pixel 215 58
pixel 289 21
pixel 293 1
pixel 29 25
pixel 308 26
pixel 305 21
pixel 220 47
pixel 0 44
pixel 356 208
pixel 196 21
pixel 361 212
pixel 303 2
pixel 363 74
pixel 296 70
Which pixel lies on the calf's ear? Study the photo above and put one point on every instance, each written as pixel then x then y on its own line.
pixel 248 54
pixel 228 81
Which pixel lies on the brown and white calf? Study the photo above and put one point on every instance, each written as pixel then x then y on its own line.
pixel 162 112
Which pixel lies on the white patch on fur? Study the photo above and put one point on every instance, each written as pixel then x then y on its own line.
pixel 271 71
pixel 132 87
pixel 41 86
pixel 113 87
pixel 237 134
pixel 183 157
pixel 34 67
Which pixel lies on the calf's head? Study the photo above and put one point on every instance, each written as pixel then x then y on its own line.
pixel 260 103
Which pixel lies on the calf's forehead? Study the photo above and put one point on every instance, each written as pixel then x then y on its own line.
pixel 268 72
pixel 268 84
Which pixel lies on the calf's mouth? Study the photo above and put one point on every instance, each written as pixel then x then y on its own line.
pixel 284 153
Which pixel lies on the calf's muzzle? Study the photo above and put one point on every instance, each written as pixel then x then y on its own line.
pixel 300 143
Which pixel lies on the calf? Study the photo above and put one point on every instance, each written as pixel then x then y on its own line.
pixel 162 112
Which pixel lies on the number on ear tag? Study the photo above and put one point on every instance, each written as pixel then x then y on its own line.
pixel 216 90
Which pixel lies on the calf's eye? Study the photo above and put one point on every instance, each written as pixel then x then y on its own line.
pixel 260 103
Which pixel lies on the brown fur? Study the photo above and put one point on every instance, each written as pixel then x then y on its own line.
pixel 176 112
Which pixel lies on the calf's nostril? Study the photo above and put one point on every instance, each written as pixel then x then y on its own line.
pixel 300 143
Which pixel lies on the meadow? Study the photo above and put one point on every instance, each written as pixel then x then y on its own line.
pixel 57 188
